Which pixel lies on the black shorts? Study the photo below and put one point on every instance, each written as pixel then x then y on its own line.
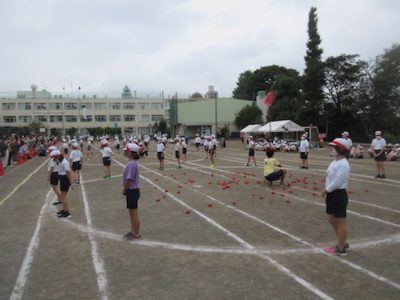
pixel 336 203
pixel 275 175
pixel 107 161
pixel 54 178
pixel 65 150
pixel 251 152
pixel 160 155
pixel 117 146
pixel 76 165
pixel 381 157
pixel 64 183
pixel 197 145
pixel 211 151
pixel 303 155
pixel 89 147
pixel 146 144
pixel 184 150
pixel 132 198
pixel 177 154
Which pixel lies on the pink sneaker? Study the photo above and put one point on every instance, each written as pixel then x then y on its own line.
pixel 335 250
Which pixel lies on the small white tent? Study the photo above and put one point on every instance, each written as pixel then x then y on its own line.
pixel 249 129
pixel 280 126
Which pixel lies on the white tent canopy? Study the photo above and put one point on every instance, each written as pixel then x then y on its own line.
pixel 281 126
pixel 250 128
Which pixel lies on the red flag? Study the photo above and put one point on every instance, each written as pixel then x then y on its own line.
pixel 269 98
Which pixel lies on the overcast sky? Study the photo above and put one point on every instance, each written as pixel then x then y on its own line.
pixel 176 45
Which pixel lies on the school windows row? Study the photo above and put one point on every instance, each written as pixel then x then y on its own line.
pixel 83 118
pixel 75 106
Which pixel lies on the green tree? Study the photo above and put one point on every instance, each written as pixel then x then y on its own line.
pixel 196 96
pixel 35 127
pixel 71 131
pixel 313 79
pixel 250 114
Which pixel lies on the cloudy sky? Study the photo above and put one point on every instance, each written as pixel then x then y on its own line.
pixel 176 45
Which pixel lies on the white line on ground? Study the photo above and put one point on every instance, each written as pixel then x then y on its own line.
pixel 19 286
pixel 96 259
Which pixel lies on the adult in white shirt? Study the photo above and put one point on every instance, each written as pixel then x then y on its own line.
pixel 106 156
pixel 335 194
pixel 252 148
pixel 303 149
pixel 378 147
pixel 76 160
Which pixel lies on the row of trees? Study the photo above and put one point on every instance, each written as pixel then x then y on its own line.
pixel 339 93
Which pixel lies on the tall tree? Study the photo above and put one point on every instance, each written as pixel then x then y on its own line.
pixel 250 114
pixel 313 79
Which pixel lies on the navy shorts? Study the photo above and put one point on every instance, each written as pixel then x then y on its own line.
pixel 177 154
pixel 132 198
pixel 251 152
pixel 197 145
pixel 76 165
pixel 336 203
pixel 54 178
pixel 381 157
pixel 275 175
pixel 184 150
pixel 107 161
pixel 303 155
pixel 65 151
pixel 160 155
pixel 64 183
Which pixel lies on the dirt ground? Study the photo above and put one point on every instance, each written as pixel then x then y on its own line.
pixel 206 233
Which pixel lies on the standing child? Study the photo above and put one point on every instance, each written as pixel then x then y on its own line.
pixel 335 194
pixel 178 151
pixel 211 151
pixel 52 168
pixel 76 158
pixel 131 190
pixel 270 172
pixel 197 141
pixel 160 153
pixel 65 147
pixel 65 177
pixel 184 149
pixel 378 146
pixel 252 148
pixel 106 156
pixel 304 147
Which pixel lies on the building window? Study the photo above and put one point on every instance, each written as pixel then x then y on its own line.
pixel 25 119
pixel 100 106
pixel 143 106
pixel 145 118
pixel 56 119
pixel 24 106
pixel 156 118
pixel 157 106
pixel 115 105
pixel 88 106
pixel 71 119
pixel 115 118
pixel 40 118
pixel 55 106
pixel 70 106
pixel 128 106
pixel 129 130
pixel 89 118
pixel 10 119
pixel 8 106
pixel 129 118
pixel 40 106
pixel 100 118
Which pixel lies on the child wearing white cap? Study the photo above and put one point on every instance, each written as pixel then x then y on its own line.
pixel 178 151
pixel 303 149
pixel 106 157
pixel 52 168
pixel 335 194
pixel 378 147
pixel 131 190
pixel 197 141
pixel 184 149
pixel 65 177
pixel 160 153
pixel 252 147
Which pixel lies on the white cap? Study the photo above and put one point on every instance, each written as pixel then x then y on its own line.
pixel 339 142
pixel 51 148
pixel 55 153
pixel 104 142
pixel 345 133
pixel 75 145
pixel 131 147
pixel 378 133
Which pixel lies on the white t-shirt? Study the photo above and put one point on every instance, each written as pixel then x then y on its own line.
pixel 349 143
pixel 251 144
pixel 197 140
pixel 52 165
pixel 105 152
pixel 160 147
pixel 184 144
pixel 75 155
pixel 146 139
pixel 378 144
pixel 338 174
pixel 177 146
pixel 304 146
pixel 65 146
pixel 63 167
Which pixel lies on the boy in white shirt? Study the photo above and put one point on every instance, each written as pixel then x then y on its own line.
pixel 303 149
pixel 76 161
pixel 106 156
pixel 252 147
pixel 197 141
pixel 178 151
pixel 378 146
pixel 160 153
pixel 184 149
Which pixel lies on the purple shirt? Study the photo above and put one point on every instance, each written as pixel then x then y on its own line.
pixel 131 172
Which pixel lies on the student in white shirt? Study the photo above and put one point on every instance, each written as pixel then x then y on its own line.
pixel 378 146
pixel 252 148
pixel 52 168
pixel 76 160
pixel 184 149
pixel 178 151
pixel 335 194
pixel 160 153
pixel 303 149
pixel 346 137
pixel 197 141
pixel 211 152
pixel 106 156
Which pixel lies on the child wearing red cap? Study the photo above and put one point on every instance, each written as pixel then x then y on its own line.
pixel 131 189
pixel 335 194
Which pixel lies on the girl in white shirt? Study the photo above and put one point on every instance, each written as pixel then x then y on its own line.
pixel 378 146
pixel 52 169
pixel 106 156
pixel 335 194
pixel 178 151
pixel 184 149
pixel 160 153
pixel 252 147
pixel 76 160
